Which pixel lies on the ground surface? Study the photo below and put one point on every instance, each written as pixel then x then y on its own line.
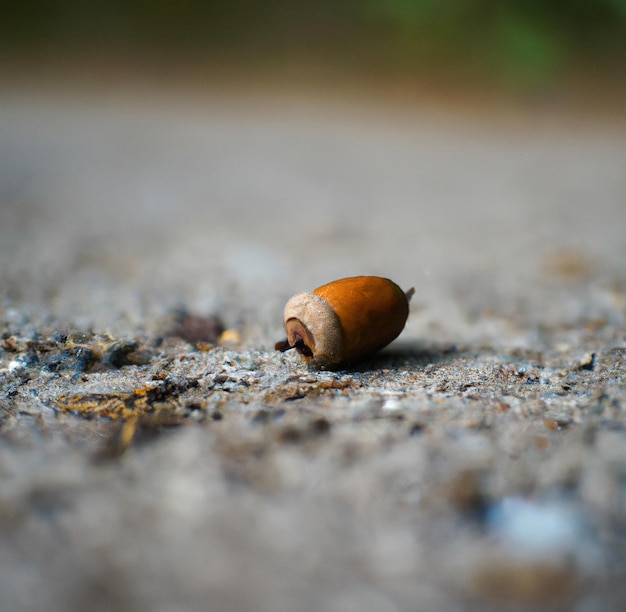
pixel 149 463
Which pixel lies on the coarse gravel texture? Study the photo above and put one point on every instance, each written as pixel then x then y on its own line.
pixel 157 454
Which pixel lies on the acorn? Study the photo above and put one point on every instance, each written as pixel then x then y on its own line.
pixel 345 321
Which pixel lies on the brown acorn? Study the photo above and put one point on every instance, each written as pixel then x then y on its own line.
pixel 345 321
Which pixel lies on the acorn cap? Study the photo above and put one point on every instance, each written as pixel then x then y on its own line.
pixel 314 329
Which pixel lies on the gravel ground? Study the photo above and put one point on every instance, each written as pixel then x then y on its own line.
pixel 157 454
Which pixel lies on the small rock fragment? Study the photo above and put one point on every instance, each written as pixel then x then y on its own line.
pixel 197 328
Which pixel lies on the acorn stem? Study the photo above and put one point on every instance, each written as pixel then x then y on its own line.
pixel 283 345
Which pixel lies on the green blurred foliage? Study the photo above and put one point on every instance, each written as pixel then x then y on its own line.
pixel 522 40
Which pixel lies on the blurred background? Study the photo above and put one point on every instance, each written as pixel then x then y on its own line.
pixel 226 154
pixel 517 43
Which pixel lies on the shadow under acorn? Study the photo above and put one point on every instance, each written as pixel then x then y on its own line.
pixel 403 354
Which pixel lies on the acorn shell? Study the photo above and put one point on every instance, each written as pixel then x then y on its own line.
pixel 346 320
